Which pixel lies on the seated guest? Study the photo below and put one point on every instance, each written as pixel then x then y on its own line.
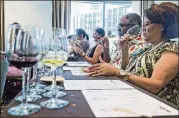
pixel 97 50
pixel 82 42
pixel 154 69
pixel 129 23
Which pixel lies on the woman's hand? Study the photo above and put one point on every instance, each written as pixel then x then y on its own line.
pixel 103 68
pixel 105 42
pixel 80 51
pixel 123 42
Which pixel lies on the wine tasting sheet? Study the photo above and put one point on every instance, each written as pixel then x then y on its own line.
pixel 95 84
pixel 125 103
pixel 81 64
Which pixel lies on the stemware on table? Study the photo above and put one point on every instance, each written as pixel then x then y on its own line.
pixel 57 56
pixel 23 56
pixel 30 97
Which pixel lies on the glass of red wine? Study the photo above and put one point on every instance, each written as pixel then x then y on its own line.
pixel 30 96
pixel 24 56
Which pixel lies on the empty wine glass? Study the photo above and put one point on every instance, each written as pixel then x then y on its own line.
pixel 24 56
pixel 42 40
pixel 56 59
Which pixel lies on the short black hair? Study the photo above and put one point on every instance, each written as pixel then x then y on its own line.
pixel 134 19
pixel 165 14
pixel 81 31
pixel 100 31
pixel 171 14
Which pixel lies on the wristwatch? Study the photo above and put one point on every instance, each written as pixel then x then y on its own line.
pixel 124 75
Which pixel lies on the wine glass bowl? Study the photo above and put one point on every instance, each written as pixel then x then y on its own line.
pixel 24 56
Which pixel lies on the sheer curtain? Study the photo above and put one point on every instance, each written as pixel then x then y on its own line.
pixel 61 13
pixel 2 26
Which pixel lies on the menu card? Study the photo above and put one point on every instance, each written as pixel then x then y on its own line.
pixel 125 103
pixel 72 68
pixel 81 64
pixel 95 84
pixel 78 72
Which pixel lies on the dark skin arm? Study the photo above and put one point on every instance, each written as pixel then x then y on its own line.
pixel 105 42
pixel 97 53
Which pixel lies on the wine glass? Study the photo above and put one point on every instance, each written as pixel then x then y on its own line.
pixel 56 57
pixel 45 45
pixel 54 49
pixel 45 42
pixel 30 96
pixel 24 56
pixel 42 40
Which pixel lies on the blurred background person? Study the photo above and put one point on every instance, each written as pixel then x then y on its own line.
pixel 92 56
pixel 81 40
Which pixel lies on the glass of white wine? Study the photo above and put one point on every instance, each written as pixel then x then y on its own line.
pixel 56 57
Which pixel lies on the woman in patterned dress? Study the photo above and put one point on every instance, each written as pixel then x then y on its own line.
pixel 155 68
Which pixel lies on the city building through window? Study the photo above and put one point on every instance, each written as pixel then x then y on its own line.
pixel 106 14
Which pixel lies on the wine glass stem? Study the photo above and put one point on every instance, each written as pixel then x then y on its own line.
pixel 24 82
pixel 35 74
pixel 28 80
pixel 43 68
pixel 54 85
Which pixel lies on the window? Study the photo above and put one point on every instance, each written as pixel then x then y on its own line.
pixel 86 15
pixel 89 14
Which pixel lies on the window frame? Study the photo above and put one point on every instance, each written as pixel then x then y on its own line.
pixel 104 3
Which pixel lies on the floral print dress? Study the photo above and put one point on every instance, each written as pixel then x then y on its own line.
pixel 143 64
pixel 137 44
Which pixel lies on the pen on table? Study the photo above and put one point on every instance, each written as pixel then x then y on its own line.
pixel 165 109
pixel 113 82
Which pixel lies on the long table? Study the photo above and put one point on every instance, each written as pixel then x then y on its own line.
pixel 78 106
